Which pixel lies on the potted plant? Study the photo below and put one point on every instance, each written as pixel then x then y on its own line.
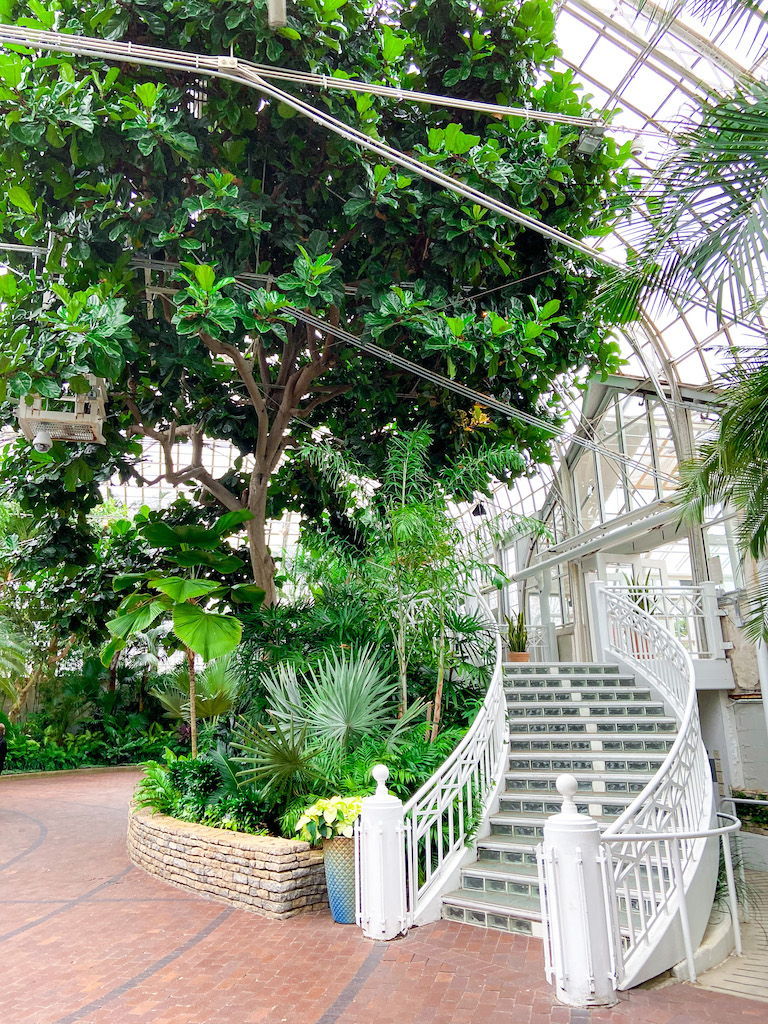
pixel 333 821
pixel 517 638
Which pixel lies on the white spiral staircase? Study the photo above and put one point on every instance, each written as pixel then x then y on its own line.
pixel 627 728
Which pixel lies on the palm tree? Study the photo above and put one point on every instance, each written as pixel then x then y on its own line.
pixel 706 231
pixel 732 468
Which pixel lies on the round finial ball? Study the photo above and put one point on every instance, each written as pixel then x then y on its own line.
pixel 567 786
pixel 380 772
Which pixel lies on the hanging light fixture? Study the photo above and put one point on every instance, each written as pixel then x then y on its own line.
pixel 70 417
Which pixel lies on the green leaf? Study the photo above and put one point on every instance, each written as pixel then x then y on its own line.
pixel 248 592
pixel 179 589
pixel 229 520
pixel 138 620
pixel 147 94
pixel 208 634
pixel 213 559
pixel 160 535
pixel 110 650
pixel 206 276
pixel 20 197
pixel 129 579
pixel 197 536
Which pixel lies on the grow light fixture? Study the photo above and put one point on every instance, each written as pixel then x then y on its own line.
pixel 591 139
pixel 70 417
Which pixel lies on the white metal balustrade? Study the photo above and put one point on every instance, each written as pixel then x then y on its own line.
pixel 659 886
pixel 443 816
pixel 689 613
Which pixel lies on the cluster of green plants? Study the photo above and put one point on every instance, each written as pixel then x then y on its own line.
pixel 204 789
pixel 28 752
pixel 752 814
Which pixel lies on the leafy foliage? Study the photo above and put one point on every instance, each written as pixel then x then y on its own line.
pixel 117 168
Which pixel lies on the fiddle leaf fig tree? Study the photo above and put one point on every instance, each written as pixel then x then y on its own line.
pixel 184 222
pixel 197 603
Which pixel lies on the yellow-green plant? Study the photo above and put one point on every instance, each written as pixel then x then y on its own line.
pixel 329 818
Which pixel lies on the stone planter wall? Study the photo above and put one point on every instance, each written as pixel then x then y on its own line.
pixel 275 877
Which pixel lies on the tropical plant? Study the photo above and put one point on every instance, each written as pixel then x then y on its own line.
pixel 184 596
pixel 731 468
pixel 217 688
pixel 135 176
pixel 343 699
pixel 403 544
pixel 705 214
pixel 279 761
pixel 329 818
pixel 517 633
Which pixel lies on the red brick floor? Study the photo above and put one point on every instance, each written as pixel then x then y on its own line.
pixel 87 937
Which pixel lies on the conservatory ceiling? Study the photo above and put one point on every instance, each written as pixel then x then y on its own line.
pixel 651 62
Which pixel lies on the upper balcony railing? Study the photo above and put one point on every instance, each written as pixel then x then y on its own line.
pixel 689 613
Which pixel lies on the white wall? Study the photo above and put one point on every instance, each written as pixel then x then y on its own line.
pixel 753 741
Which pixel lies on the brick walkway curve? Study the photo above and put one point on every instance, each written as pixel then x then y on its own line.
pixel 86 938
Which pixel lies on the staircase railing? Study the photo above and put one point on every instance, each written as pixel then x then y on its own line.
pixel 443 817
pixel 651 881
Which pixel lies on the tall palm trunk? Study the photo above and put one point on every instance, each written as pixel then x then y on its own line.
pixel 192 701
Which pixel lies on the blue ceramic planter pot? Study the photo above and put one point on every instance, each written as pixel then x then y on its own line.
pixel 339 857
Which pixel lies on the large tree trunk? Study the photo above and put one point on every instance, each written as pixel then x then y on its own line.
pixel 262 562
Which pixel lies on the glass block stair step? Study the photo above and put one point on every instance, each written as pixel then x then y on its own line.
pixel 552 682
pixel 559 743
pixel 493 911
pixel 482 878
pixel 576 694
pixel 600 806
pixel 528 708
pixel 595 761
pixel 528 723
pixel 589 782
pixel 528 828
pixel 545 668
pixel 498 852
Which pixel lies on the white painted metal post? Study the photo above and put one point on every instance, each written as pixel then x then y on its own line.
pixel 598 622
pixel 582 953
pixel 713 630
pixel 383 912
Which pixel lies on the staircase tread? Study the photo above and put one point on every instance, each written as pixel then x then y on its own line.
pixel 507 872
pixel 493 902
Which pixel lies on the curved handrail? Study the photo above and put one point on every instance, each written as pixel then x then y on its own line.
pixel 674 810
pixel 444 812
pixel 688 712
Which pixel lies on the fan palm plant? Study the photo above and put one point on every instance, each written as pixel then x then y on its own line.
pixel 706 230
pixel 732 468
pixel 216 690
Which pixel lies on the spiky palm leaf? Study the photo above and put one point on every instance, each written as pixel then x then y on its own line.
pixel 706 233
pixel 278 758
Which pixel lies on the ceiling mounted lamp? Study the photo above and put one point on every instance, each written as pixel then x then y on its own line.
pixel 70 417
pixel 591 139
pixel 276 14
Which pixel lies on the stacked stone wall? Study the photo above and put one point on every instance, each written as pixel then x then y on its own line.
pixel 275 877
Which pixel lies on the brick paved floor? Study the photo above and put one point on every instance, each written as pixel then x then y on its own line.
pixel 86 937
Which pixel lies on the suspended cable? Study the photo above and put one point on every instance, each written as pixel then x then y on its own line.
pixel 244 73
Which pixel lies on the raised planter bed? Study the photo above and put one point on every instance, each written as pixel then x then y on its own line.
pixel 277 878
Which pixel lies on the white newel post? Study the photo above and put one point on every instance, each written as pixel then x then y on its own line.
pixel 580 957
pixel 381 851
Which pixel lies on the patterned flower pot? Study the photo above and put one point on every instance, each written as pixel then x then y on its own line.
pixel 339 857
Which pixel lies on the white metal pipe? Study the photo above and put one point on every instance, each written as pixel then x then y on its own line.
pixel 732 900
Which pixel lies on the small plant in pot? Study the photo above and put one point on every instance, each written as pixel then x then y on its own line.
pixel 333 821
pixel 517 638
